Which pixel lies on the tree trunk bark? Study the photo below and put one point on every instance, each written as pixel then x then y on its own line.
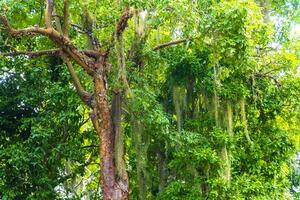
pixel 114 187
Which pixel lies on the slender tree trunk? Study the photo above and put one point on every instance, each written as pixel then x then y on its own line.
pixel 244 120
pixel 216 100
pixel 141 146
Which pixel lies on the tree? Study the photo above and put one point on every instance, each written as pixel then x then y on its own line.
pixel 191 106
pixel 94 62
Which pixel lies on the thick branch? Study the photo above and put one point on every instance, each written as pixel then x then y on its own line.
pixel 57 22
pixel 127 14
pixel 48 13
pixel 21 32
pixel 120 27
pixel 55 36
pixel 85 96
pixel 161 46
pixel 66 18
pixel 92 53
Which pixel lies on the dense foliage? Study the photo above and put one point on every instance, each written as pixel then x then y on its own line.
pixel 213 116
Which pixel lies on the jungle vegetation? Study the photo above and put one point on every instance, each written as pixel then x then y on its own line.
pixel 156 99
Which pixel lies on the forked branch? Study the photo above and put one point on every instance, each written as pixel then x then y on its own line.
pixel 56 37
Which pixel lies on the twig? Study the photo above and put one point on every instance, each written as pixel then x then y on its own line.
pixel 164 45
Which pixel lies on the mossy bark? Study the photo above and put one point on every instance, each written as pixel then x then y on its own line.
pixel 179 101
pixel 141 147
pixel 226 153
pixel 244 120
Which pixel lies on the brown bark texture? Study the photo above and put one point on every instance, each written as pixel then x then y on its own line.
pixel 114 187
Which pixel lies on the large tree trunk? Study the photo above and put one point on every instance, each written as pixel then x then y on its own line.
pixel 114 187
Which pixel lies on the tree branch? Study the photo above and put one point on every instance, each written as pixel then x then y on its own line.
pixel 66 18
pixel 85 96
pixel 21 32
pixel 50 52
pixel 120 27
pixel 122 24
pixel 88 25
pixel 164 45
pixel 92 53
pixel 57 22
pixel 48 13
pixel 56 37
